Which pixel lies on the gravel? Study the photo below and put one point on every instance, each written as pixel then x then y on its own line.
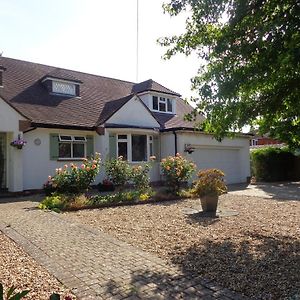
pixel 18 269
pixel 255 252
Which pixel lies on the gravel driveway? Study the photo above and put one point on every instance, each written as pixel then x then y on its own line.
pixel 255 252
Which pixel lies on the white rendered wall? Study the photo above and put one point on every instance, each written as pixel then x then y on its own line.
pixel 239 145
pixel 37 165
pixel 9 123
pixel 133 113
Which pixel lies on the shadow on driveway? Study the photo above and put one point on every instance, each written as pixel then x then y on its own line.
pixel 272 190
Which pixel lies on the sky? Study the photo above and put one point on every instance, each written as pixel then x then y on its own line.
pixel 98 37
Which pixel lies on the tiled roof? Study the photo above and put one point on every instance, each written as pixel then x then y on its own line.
pixel 99 97
pixel 61 74
pixel 150 85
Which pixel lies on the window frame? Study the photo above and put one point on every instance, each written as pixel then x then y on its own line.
pixel 128 140
pixel 57 81
pixel 72 142
pixel 164 100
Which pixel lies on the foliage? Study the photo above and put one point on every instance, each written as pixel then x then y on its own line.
pixel 54 202
pixel 74 179
pixel 249 56
pixel 140 175
pixel 118 171
pixel 210 182
pixel 10 293
pixel 106 186
pixel 272 164
pixel 176 170
pixel 120 197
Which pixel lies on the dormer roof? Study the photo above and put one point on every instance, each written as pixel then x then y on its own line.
pixel 151 85
pixel 62 75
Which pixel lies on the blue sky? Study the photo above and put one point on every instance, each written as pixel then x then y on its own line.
pixel 95 36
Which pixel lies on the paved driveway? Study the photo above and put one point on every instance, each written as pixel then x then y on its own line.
pixel 95 265
pixel 278 191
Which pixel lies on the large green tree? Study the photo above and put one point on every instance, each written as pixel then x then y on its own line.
pixel 249 59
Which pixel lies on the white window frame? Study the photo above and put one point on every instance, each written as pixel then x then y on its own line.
pixel 66 83
pixel 72 141
pixel 128 140
pixel 164 100
pixel 254 142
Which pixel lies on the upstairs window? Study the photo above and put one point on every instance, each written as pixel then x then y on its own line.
pixel 63 88
pixel 162 104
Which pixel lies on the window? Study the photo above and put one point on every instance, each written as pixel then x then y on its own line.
pixel 254 142
pixel 139 147
pixel 123 146
pixel 162 104
pixel 64 88
pixel 135 147
pixel 71 146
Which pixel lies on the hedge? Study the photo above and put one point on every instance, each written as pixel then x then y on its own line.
pixel 273 164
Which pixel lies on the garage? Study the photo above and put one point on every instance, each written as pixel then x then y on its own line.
pixel 225 159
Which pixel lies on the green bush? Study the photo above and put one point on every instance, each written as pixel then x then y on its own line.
pixel 272 164
pixel 73 179
pixel 118 171
pixel 176 171
pixel 140 176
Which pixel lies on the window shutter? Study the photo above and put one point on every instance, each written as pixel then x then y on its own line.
pixel 89 145
pixel 53 146
pixel 156 147
pixel 112 146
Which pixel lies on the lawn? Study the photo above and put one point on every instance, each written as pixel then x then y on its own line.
pixel 255 252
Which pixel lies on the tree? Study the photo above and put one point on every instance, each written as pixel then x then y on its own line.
pixel 249 56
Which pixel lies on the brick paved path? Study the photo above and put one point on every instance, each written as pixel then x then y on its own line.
pixel 93 264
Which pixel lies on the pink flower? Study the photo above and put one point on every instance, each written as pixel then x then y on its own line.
pixel 82 166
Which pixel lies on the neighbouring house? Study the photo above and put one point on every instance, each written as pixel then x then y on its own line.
pixel 258 140
pixel 66 115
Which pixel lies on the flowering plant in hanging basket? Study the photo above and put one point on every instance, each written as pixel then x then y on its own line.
pixel 18 143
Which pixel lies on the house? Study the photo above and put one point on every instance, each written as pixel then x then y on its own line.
pixel 258 140
pixel 66 115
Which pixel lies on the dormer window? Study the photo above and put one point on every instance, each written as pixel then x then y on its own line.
pixel 63 88
pixel 162 104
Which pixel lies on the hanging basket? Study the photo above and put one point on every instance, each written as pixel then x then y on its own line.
pixel 18 143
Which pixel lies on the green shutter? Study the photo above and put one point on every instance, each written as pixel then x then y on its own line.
pixel 156 147
pixel 53 146
pixel 89 145
pixel 112 146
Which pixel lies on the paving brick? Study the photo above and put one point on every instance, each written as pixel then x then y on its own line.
pixel 94 265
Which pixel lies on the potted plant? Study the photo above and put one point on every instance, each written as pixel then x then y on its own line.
pixel 209 186
pixel 18 143
pixel 106 186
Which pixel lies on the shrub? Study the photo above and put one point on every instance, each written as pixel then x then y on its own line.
pixel 118 171
pixel 210 182
pixel 73 179
pixel 10 293
pixel 272 164
pixel 177 170
pixel 140 176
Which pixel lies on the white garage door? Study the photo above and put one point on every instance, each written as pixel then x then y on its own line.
pixel 224 159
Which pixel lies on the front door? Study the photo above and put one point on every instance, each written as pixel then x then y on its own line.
pixel 3 161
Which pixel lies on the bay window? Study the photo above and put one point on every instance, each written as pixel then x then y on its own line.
pixel 135 147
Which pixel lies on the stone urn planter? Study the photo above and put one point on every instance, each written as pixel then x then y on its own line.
pixel 209 203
